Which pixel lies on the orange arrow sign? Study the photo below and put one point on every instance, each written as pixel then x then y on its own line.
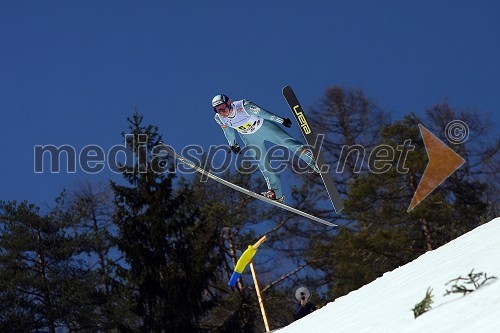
pixel 443 161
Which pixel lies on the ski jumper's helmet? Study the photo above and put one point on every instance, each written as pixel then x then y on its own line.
pixel 220 99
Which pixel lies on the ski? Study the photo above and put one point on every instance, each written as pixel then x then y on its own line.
pixel 180 158
pixel 310 138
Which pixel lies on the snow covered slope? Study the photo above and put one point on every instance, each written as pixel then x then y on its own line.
pixel 385 305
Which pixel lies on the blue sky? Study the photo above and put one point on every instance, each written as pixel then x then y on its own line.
pixel 72 71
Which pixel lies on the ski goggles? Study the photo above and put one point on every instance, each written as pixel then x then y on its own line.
pixel 221 107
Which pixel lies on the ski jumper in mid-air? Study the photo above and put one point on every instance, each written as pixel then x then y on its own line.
pixel 256 125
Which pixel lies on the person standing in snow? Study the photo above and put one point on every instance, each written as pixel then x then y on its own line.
pixel 304 307
pixel 256 125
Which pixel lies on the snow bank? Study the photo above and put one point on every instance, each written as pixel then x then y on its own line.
pixel 385 305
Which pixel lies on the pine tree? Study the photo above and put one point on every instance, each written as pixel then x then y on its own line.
pixel 350 122
pixel 474 186
pixel 236 215
pixel 385 235
pixel 93 206
pixel 170 251
pixel 44 284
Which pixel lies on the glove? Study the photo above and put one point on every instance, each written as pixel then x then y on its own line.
pixel 235 149
pixel 287 122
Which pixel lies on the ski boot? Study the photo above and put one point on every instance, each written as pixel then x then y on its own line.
pixel 271 195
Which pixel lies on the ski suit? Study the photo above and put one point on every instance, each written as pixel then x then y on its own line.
pixel 256 125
